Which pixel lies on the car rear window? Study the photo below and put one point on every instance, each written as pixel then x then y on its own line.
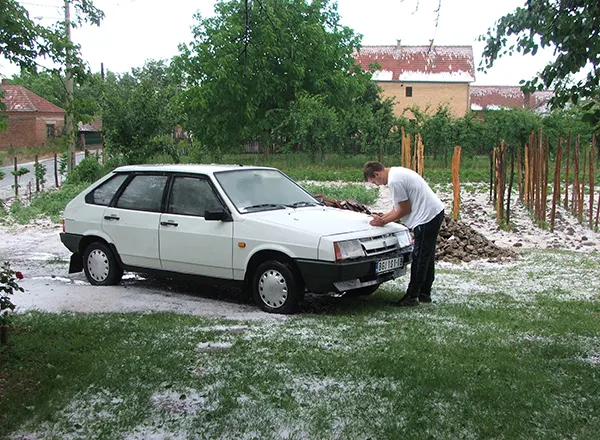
pixel 104 193
pixel 143 193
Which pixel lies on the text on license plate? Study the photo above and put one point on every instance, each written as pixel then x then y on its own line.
pixel 387 265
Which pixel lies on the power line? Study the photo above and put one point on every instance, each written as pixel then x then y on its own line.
pixel 37 4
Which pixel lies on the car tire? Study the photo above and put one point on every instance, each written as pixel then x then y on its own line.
pixel 100 265
pixel 362 291
pixel 276 289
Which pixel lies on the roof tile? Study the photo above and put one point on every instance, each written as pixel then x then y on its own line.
pixel 19 99
pixel 419 63
pixel 499 97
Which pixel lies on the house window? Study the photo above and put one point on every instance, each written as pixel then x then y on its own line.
pixel 49 130
pixel 409 92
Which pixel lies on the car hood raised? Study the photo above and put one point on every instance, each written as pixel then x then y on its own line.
pixel 321 221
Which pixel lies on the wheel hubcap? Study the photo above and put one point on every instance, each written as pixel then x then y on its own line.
pixel 273 288
pixel 98 266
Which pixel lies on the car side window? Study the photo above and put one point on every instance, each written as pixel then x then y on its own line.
pixel 143 193
pixel 103 194
pixel 192 196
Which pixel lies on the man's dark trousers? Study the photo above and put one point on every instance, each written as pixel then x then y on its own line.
pixel 422 270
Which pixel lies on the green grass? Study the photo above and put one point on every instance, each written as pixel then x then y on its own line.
pixel 503 355
pixel 45 204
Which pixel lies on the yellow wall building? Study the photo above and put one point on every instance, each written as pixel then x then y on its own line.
pixel 423 76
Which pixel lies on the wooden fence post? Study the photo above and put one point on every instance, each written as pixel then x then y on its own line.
pixel 456 181
pixel 492 161
pixel 582 192
pixel 592 182
pixel 566 204
pixel 527 178
pixel 421 154
pixel 510 185
pixel 37 178
pixel 556 192
pixel 575 192
pixel 16 178
pixel 56 170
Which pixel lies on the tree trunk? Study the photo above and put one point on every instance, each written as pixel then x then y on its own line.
pixel 3 334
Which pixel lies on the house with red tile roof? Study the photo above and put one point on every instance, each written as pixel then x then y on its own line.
pixel 423 76
pixel 508 97
pixel 31 119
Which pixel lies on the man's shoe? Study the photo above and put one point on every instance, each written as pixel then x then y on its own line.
pixel 408 301
pixel 424 298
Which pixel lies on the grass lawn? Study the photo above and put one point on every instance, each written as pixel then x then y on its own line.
pixel 508 351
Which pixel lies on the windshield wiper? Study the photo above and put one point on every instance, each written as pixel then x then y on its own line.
pixel 265 205
pixel 302 203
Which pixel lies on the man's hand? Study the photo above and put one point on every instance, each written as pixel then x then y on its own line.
pixel 377 220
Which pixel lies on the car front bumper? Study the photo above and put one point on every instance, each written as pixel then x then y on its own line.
pixel 326 276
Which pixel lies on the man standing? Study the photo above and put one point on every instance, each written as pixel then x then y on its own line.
pixel 417 206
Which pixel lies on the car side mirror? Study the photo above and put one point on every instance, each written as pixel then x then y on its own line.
pixel 218 214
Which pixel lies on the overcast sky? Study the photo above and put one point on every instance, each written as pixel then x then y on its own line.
pixel 134 31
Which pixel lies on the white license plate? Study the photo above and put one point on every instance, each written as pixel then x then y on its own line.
pixel 387 265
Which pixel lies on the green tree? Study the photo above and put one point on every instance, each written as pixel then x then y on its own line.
pixel 469 134
pixel 564 123
pixel 23 42
pixel 438 133
pixel 313 124
pixel 139 110
pixel 511 126
pixel 572 28
pixel 249 72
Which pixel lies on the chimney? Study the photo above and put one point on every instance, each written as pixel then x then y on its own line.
pixel 398 44
pixel 5 82
pixel 527 100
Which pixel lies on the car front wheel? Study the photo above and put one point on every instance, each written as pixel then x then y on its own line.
pixel 100 265
pixel 276 289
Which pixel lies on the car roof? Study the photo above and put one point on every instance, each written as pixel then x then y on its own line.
pixel 189 168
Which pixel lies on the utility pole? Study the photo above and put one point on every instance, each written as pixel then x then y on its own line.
pixel 69 86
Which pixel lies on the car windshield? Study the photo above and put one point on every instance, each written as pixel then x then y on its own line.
pixel 262 190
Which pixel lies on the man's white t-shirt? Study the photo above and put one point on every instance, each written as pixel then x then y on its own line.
pixel 405 184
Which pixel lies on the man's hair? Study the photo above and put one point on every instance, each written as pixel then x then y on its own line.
pixel 371 167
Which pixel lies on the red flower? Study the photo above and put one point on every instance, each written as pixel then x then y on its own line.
pixel 6 313
pixel 19 275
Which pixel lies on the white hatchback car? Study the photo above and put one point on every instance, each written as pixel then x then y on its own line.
pixel 251 226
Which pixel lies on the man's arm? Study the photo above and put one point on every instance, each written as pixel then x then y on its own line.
pixel 393 215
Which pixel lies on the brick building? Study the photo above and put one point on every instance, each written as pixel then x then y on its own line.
pixel 31 119
pixel 508 97
pixel 425 76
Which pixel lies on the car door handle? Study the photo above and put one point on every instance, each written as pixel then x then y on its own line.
pixel 169 223
pixel 111 217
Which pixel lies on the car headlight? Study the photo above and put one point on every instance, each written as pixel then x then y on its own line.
pixel 348 249
pixel 404 239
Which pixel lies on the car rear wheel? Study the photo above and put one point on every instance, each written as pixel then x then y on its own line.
pixel 100 265
pixel 362 291
pixel 276 289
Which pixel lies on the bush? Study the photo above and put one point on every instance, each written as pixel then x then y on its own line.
pixel 87 171
pixel 46 204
